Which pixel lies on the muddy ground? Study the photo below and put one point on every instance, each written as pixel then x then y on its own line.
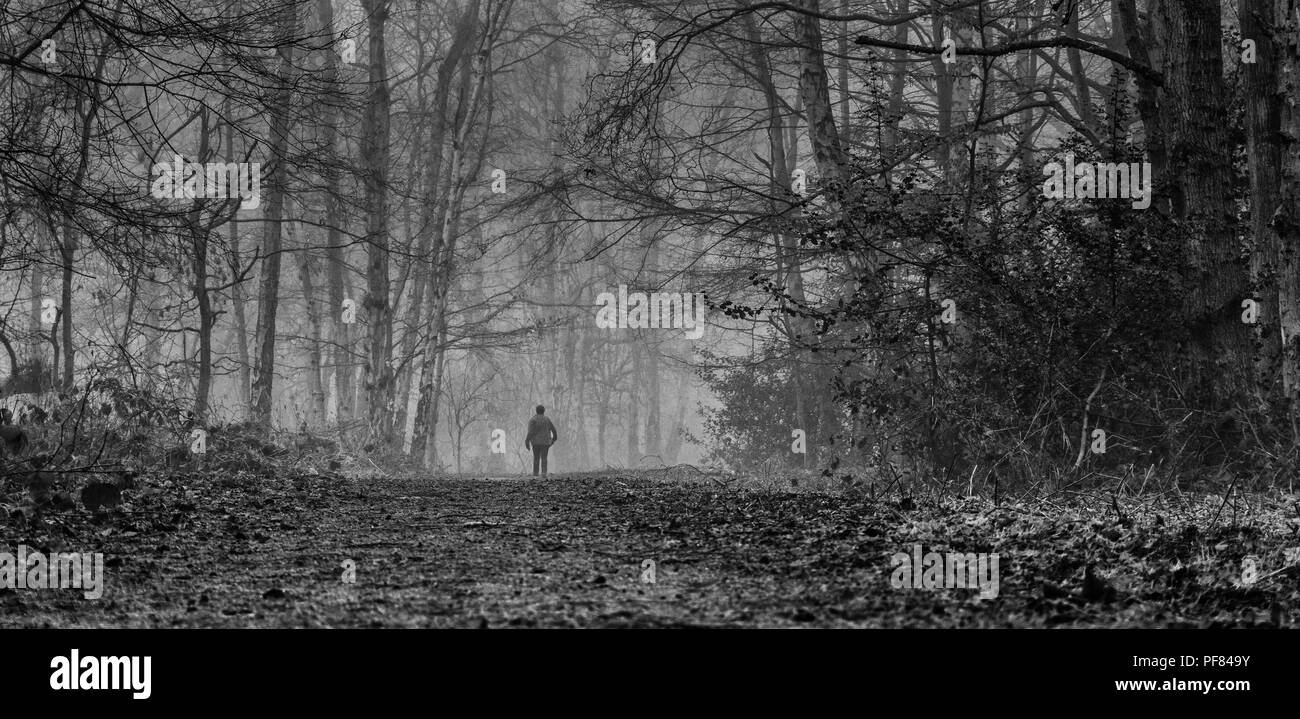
pixel 204 550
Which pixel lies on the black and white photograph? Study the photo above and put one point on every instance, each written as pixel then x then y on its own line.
pixel 443 315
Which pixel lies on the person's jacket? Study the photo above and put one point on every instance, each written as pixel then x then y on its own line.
pixel 541 432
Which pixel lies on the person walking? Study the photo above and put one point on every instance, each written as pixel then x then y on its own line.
pixel 541 435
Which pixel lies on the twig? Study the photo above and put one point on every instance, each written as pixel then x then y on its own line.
pixel 1087 404
pixel 1227 494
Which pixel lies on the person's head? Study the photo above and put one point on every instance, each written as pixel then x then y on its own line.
pixel 541 409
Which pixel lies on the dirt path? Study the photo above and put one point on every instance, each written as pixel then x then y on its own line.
pixel 506 552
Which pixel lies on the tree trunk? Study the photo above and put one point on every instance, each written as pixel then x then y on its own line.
pixel 245 371
pixel 1148 103
pixel 340 335
pixel 199 267
pixel 674 443
pixel 842 49
pixel 1273 152
pixel 437 189
pixel 1082 91
pixel 429 456
pixel 943 81
pixel 1264 159
pixel 473 91
pixel 634 411
pixel 1286 219
pixel 306 270
pixel 269 294
pixel 374 153
pixel 653 440
pixel 897 86
pixel 36 345
pixel 814 89
pixel 67 253
pixel 1193 105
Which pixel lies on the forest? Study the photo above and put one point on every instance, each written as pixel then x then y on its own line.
pixel 805 286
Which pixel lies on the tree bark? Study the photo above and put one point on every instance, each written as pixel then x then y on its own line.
pixel 269 293
pixel 199 266
pixel 341 358
pixel 1193 104
pixel 306 271
pixel 1264 159
pixel 67 254
pixel 240 329
pixel 1273 153
pixel 475 94
pixel 814 88
pixel 374 155
pixel 1286 218
pixel 434 208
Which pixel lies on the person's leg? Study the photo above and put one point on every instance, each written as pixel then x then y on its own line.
pixel 545 450
pixel 537 457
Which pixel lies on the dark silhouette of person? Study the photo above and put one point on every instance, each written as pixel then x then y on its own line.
pixel 541 435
